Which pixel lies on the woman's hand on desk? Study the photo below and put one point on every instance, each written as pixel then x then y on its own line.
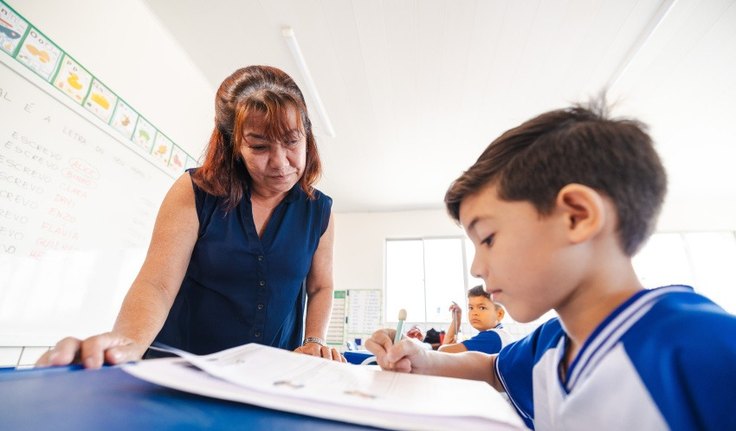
pixel 93 352
pixel 316 349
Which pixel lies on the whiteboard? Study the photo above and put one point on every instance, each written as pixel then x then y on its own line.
pixel 77 206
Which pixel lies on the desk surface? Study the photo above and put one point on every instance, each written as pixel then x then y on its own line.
pixel 111 399
pixel 357 356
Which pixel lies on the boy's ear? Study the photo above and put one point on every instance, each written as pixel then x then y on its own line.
pixel 583 210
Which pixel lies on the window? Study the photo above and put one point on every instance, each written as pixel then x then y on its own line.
pixel 423 276
pixel 703 260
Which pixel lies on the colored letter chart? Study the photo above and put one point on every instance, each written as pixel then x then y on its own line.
pixel 39 54
pixel 12 28
pixel 162 148
pixel 178 160
pixel 25 44
pixel 73 79
pixel 144 134
pixel 101 101
pixel 124 119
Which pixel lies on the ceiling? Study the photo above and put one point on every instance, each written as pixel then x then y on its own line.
pixel 415 90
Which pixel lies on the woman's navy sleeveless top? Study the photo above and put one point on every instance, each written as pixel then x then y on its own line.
pixel 240 288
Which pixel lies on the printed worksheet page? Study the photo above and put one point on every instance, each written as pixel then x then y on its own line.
pixel 289 381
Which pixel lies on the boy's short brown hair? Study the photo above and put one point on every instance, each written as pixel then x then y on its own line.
pixel 580 144
pixel 478 291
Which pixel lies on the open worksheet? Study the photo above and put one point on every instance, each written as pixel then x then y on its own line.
pixel 288 381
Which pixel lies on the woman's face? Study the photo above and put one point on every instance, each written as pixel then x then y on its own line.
pixel 274 166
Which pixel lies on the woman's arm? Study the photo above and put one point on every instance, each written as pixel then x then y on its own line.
pixel 151 295
pixel 320 285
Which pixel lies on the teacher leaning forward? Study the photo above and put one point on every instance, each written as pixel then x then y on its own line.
pixel 241 245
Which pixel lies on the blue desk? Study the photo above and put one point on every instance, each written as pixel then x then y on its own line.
pixel 357 356
pixel 110 399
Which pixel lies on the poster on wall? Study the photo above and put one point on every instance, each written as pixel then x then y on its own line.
pixel 144 134
pixel 100 101
pixel 73 79
pixel 336 327
pixel 12 29
pixel 39 54
pixel 124 119
pixel 364 311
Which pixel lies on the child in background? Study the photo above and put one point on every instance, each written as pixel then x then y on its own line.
pixel 485 316
pixel 556 208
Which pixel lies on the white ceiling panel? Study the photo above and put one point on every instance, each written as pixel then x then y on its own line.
pixel 416 89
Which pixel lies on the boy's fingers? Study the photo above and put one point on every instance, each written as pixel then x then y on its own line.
pixel 379 343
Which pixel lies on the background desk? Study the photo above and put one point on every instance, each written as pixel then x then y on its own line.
pixel 357 356
pixel 111 399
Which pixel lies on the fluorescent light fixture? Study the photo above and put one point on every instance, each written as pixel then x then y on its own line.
pixel 641 40
pixel 293 44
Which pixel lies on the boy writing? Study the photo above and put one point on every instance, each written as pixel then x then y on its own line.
pixel 556 208
pixel 485 316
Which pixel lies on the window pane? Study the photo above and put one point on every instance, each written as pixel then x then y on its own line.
pixel 469 255
pixel 444 280
pixel 663 261
pixel 713 255
pixel 404 280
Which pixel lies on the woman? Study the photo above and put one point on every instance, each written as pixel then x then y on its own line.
pixel 239 245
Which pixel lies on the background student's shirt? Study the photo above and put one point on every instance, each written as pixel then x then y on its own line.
pixel 489 341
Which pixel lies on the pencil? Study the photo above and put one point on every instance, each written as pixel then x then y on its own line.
pixel 400 326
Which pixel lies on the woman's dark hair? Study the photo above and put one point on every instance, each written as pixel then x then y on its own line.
pixel 262 90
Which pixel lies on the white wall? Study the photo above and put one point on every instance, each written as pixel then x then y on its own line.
pixel 360 237
pixel 698 211
pixel 360 241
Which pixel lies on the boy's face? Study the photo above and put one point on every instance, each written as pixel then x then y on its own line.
pixel 482 314
pixel 524 259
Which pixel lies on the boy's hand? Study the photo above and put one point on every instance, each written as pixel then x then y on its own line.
pixel 457 312
pixel 407 356
pixel 415 333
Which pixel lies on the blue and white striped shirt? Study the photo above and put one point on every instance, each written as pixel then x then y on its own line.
pixel 665 359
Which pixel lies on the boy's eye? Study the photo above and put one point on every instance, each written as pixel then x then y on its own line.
pixel 488 241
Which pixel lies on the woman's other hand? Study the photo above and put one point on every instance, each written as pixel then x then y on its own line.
pixel 93 352
pixel 316 349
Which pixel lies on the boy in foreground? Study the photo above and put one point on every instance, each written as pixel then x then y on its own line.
pixel 556 208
